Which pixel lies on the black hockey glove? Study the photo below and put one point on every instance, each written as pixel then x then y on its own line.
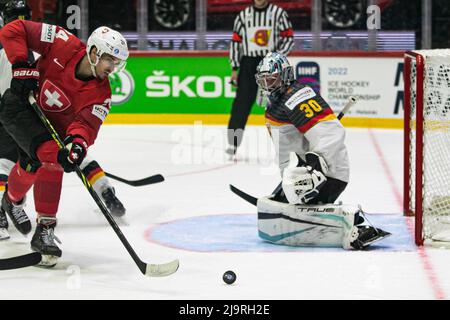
pixel 73 154
pixel 25 78
pixel 317 162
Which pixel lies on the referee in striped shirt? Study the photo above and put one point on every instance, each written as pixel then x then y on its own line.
pixel 258 29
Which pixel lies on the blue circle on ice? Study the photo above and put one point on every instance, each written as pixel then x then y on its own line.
pixel 239 233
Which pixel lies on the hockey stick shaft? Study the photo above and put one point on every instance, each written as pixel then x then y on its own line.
pixel 146 269
pixel 137 183
pixel 26 260
pixel 243 195
pixel 351 101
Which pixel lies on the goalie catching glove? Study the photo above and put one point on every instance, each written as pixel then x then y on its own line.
pixel 302 184
pixel 73 154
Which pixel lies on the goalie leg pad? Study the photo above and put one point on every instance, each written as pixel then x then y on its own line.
pixel 304 225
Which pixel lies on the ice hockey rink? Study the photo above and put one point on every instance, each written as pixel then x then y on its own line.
pixel 194 217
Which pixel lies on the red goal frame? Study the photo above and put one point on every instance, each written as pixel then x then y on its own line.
pixel 417 209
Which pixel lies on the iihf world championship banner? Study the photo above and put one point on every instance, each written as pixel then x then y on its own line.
pixel 178 89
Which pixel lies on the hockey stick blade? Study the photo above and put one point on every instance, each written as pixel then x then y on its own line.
pixel 137 183
pixel 26 260
pixel 161 270
pixel 243 195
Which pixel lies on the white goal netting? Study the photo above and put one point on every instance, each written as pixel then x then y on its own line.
pixel 434 157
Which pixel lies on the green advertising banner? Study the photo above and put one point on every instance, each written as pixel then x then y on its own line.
pixel 180 85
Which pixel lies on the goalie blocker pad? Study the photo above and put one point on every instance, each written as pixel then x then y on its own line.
pixel 326 225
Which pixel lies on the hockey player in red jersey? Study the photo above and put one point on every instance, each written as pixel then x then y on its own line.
pixel 13 10
pixel 71 86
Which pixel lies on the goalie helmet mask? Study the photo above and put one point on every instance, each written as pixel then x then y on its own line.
pixel 108 41
pixel 16 9
pixel 274 74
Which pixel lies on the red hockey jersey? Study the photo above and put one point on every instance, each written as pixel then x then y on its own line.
pixel 73 106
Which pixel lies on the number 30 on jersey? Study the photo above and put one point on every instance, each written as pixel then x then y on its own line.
pixel 310 108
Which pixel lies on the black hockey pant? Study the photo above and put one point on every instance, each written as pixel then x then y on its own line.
pixel 21 131
pixel 245 98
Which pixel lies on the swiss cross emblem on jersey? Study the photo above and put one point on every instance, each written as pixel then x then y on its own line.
pixel 52 98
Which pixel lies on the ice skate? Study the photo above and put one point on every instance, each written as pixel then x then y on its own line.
pixel 231 153
pixel 4 234
pixel 368 235
pixel 113 203
pixel 16 214
pixel 44 241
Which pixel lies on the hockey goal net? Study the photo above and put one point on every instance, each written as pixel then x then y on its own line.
pixel 427 144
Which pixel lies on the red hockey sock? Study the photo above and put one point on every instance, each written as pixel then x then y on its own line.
pixel 19 182
pixel 47 190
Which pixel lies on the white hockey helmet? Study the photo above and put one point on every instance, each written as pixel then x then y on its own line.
pixel 108 41
pixel 274 73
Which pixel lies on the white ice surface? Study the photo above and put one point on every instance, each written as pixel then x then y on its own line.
pixel 95 265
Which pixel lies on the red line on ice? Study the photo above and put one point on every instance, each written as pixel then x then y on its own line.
pixel 426 262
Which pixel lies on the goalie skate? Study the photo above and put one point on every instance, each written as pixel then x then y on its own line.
pixel 368 235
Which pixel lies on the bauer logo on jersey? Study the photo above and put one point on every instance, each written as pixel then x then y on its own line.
pixel 100 111
pixel 301 95
pixel 53 98
pixel 48 33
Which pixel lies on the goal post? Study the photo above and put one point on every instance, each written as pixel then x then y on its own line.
pixel 427 144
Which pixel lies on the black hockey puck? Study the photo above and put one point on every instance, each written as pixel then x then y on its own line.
pixel 229 277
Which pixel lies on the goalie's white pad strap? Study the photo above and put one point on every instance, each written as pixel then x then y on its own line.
pixel 304 225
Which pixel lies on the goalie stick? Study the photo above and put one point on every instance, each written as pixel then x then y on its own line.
pixel 351 101
pixel 151 270
pixel 138 183
pixel 243 195
pixel 26 260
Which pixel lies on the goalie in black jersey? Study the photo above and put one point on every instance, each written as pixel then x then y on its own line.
pixel 313 160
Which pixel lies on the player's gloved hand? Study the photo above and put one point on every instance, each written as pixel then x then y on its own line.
pixel 73 154
pixel 302 184
pixel 316 161
pixel 25 77
pixel 317 180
